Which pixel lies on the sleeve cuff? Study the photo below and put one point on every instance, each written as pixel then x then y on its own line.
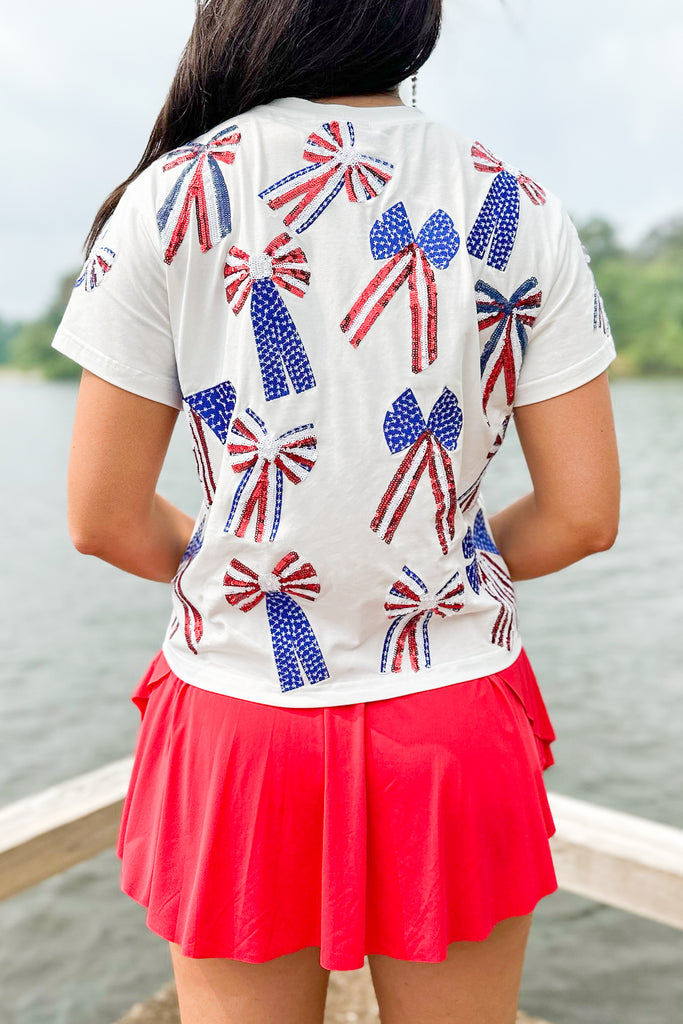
pixel 139 382
pixel 566 380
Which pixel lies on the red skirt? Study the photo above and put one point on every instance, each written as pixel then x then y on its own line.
pixel 394 826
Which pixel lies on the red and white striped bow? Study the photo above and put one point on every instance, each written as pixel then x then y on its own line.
pixel 265 459
pixel 410 605
pixel 246 588
pixel 282 261
pixel 333 164
pixel 98 263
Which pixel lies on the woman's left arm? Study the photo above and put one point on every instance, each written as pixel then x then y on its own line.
pixel 118 447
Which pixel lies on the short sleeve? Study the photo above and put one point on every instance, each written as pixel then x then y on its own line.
pixel 570 341
pixel 117 323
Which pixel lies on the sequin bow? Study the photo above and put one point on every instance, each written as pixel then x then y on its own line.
pixel 211 407
pixel 497 222
pixel 201 182
pixel 410 605
pixel 485 568
pixel 510 318
pixel 294 642
pixel 410 259
pixel 467 497
pixel 265 459
pixel 98 263
pixel 282 264
pixel 334 164
pixel 194 624
pixel 428 446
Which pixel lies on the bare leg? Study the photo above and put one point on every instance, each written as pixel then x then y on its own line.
pixel 477 984
pixel 290 989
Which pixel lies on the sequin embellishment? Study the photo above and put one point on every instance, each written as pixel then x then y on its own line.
pixel 194 625
pixel 278 344
pixel 428 447
pixel 470 495
pixel 495 228
pixel 265 459
pixel 98 263
pixel 485 569
pixel 213 406
pixel 294 644
pixel 600 321
pixel 201 182
pixel 333 164
pixel 410 259
pixel 410 605
pixel 504 350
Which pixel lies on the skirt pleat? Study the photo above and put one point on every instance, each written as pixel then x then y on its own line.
pixel 394 826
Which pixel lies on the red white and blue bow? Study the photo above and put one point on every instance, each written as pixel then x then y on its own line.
pixel 282 264
pixel 485 568
pixel 469 496
pixel 201 182
pixel 504 351
pixel 410 604
pixel 428 446
pixel 334 163
pixel 194 625
pixel 294 644
pixel 98 263
pixel 213 406
pixel 265 459
pixel 410 259
pixel 498 220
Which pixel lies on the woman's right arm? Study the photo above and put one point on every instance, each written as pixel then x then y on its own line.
pixel 570 448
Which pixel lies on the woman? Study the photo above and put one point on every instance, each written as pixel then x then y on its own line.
pixel 342 740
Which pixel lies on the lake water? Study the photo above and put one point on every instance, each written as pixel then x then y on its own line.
pixel 604 637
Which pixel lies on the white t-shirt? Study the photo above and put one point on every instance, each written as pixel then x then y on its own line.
pixel 347 303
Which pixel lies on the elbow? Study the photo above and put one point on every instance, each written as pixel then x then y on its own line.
pixel 598 536
pixel 104 540
pixel 85 543
pixel 87 537
pixel 603 541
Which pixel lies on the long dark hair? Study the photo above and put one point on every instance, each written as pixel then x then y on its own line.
pixel 242 53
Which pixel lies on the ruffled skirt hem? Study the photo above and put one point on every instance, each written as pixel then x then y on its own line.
pixel 395 826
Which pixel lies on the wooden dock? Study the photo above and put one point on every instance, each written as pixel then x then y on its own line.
pixel 619 859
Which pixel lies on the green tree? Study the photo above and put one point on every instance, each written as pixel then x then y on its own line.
pixel 7 332
pixel 665 242
pixel 30 347
pixel 601 240
pixel 643 294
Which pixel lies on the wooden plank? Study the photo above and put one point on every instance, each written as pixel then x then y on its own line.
pixel 619 859
pixel 44 834
pixel 606 855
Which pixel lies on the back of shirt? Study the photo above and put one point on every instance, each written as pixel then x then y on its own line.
pixel 347 303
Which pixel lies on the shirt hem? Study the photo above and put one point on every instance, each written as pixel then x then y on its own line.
pixel 366 689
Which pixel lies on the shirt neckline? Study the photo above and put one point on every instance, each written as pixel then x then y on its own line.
pixel 324 112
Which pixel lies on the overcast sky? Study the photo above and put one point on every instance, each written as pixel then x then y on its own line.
pixel 586 96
